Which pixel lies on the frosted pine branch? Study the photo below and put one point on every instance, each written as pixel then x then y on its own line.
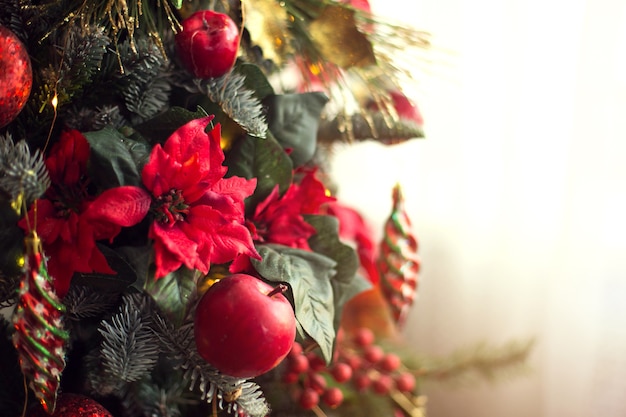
pixel 22 175
pixel 213 386
pixel 237 101
pixel 130 349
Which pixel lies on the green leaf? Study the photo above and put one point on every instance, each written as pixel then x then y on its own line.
pixel 173 293
pixel 263 159
pixel 294 119
pixel 116 159
pixel 177 3
pixel 161 127
pixel 255 80
pixel 346 283
pixel 308 275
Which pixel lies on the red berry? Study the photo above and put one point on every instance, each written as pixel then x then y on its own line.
pixel 290 377
pixel 362 381
pixel 208 43
pixel 373 354
pixel 296 349
pixel 363 337
pixel 333 397
pixel 405 382
pixel 309 398
pixel 317 382
pixel 341 372
pixel 382 385
pixel 355 362
pixel 298 364
pixel 389 363
pixel 229 340
pixel 316 363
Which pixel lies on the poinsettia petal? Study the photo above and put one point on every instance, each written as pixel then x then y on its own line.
pixel 237 188
pixel 173 243
pixel 158 172
pixel 312 194
pixel 222 237
pixel 123 206
pixel 263 205
pixel 67 160
pixel 164 260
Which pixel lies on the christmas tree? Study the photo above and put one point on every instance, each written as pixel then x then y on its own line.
pixel 172 242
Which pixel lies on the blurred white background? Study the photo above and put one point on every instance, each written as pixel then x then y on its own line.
pixel 517 197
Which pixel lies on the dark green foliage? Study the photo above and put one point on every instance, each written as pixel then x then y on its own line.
pixel 116 159
pixel 263 159
pixel 293 119
pixel 308 275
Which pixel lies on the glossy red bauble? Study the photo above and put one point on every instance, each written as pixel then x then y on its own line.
pixel 243 326
pixel 73 405
pixel 16 76
pixel 208 43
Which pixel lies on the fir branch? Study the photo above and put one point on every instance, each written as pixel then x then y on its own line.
pixel 8 290
pixel 213 386
pixel 237 101
pixel 365 126
pixel 23 177
pixel 83 52
pixel 88 120
pixel 481 361
pixel 12 19
pixel 129 350
pixel 84 302
pixel 144 89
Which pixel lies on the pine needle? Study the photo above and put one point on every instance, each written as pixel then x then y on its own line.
pixel 237 101
pixel 23 176
pixel 213 386
pixel 130 349
pixel 84 301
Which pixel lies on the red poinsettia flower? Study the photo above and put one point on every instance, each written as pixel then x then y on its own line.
pixel 279 219
pixel 199 214
pixel 69 220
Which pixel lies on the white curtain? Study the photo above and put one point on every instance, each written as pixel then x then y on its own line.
pixel 518 197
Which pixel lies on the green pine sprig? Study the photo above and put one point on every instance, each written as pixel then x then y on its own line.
pixel 84 302
pixel 23 176
pixel 213 386
pixel 237 101
pixel 129 349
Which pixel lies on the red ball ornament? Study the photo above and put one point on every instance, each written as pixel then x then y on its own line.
pixel 243 326
pixel 208 43
pixel 73 405
pixel 16 76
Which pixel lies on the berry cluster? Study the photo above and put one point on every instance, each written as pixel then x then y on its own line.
pixel 359 365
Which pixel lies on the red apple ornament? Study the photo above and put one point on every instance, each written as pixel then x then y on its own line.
pixel 16 76
pixel 208 43
pixel 243 326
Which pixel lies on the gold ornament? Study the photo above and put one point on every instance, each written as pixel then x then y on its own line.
pixel 335 35
pixel 268 24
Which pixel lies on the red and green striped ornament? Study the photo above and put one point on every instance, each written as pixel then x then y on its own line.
pixel 398 262
pixel 39 336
